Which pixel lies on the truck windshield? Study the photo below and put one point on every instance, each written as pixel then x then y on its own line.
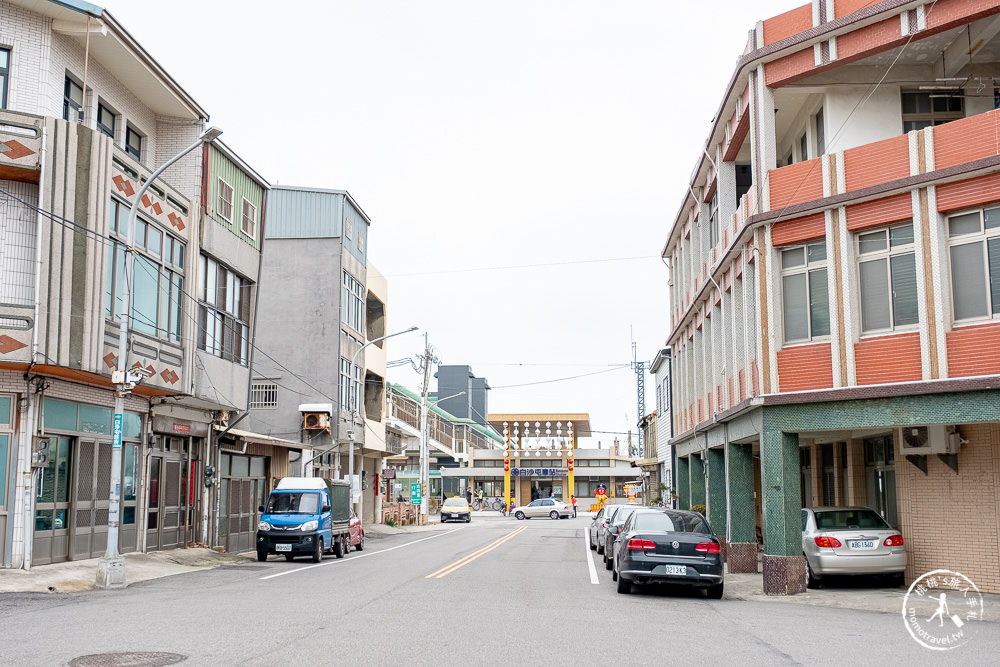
pixel 295 502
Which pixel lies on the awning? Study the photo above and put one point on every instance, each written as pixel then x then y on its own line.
pixel 260 439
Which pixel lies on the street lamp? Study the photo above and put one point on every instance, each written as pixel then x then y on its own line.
pixel 111 568
pixel 354 407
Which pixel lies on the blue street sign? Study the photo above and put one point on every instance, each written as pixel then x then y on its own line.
pixel 117 432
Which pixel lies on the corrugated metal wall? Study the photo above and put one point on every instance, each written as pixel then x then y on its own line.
pixel 294 213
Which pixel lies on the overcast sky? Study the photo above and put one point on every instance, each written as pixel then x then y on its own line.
pixel 520 161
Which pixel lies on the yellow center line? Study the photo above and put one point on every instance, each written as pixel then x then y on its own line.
pixel 462 562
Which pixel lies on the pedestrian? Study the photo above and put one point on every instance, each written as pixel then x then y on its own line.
pixel 400 498
pixel 480 497
pixel 534 494
pixel 573 498
pixel 468 495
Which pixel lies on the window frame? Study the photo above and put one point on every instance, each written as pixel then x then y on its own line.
pixel 252 231
pixel 69 103
pixel 5 76
pixel 985 237
pixel 102 127
pixel 932 117
pixel 134 151
pixel 887 255
pixel 221 203
pixel 263 395
pixel 352 307
pixel 350 385
pixel 167 257
pixel 224 303
pixel 809 269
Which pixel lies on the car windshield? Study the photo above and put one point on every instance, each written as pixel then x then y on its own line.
pixel 672 522
pixel 848 519
pixel 293 503
pixel 454 502
pixel 622 515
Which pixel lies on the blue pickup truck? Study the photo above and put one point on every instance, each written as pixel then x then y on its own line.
pixel 305 516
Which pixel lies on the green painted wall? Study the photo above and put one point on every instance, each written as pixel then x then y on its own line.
pixel 697 480
pixel 717 490
pixel 741 500
pixel 683 484
pixel 222 167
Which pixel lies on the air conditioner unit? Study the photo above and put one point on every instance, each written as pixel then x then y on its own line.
pixel 316 421
pixel 933 439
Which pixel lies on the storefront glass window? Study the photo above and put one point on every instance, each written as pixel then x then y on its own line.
pixel 60 414
pixel 225 465
pixel 94 419
pixel 63 465
pixel 4 410
pixel 257 468
pixel 128 482
pixel 241 466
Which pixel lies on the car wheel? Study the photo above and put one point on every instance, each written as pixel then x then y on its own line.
pixel 593 547
pixel 715 592
pixel 600 547
pixel 317 555
pixel 347 544
pixel 624 585
pixel 553 514
pixel 468 519
pixel 338 548
pixel 897 579
pixel 608 562
pixel 361 542
pixel 812 581
pixel 289 557
pixel 261 556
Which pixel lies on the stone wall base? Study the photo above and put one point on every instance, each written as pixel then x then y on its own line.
pixel 742 557
pixel 784 575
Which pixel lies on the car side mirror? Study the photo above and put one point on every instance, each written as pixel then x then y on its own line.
pixel 326 508
pixel 260 508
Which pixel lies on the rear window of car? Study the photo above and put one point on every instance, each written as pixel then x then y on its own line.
pixel 848 519
pixel 623 513
pixel 671 522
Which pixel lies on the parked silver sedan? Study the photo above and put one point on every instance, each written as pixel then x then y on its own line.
pixel 850 540
pixel 598 524
pixel 550 507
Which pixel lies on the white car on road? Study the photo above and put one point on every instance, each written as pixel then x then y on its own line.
pixel 550 507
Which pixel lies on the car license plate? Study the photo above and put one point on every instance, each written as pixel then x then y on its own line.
pixel 675 569
pixel 282 547
pixel 862 544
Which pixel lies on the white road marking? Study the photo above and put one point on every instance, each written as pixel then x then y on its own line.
pixel 360 556
pixel 590 558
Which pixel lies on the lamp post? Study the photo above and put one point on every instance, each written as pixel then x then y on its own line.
pixel 111 568
pixel 354 408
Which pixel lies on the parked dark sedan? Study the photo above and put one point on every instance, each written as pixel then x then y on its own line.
pixel 668 547
pixel 614 527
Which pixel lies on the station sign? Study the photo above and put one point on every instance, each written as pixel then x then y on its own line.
pixel 539 472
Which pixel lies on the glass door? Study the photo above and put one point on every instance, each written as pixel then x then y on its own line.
pixel 53 484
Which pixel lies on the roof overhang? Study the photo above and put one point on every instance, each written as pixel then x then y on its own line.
pixel 260 439
pixel 119 53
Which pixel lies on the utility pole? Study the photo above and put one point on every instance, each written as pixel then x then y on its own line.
pixel 428 358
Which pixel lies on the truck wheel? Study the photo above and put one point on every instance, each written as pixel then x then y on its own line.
pixel 261 556
pixel 317 555
pixel 361 542
pixel 347 544
pixel 338 548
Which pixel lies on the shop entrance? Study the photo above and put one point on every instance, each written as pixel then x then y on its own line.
pixel 546 488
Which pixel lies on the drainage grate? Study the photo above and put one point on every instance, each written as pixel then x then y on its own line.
pixel 143 659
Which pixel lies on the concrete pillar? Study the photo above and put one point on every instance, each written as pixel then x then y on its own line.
pixel 784 565
pixel 857 492
pixel 816 474
pixel 716 511
pixel 838 473
pixel 683 483
pixel 742 552
pixel 697 476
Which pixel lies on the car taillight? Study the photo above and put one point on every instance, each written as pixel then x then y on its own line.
pixel 828 542
pixel 641 544
pixel 708 548
pixel 894 541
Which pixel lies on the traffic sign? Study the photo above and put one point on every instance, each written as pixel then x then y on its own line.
pixel 415 493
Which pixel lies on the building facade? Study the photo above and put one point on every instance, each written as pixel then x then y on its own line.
pixel 86 116
pixel 660 368
pixel 835 287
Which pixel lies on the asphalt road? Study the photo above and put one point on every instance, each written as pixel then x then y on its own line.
pixel 495 591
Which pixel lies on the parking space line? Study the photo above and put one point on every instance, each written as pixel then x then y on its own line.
pixel 360 556
pixel 462 562
pixel 590 558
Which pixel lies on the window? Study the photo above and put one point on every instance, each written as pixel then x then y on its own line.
pixel 4 76
pixel 350 385
pixel 158 281
pixel 974 251
pixel 263 395
pixel 106 120
pixel 713 220
pixel 820 133
pixel 249 223
pixel 72 101
pixel 133 143
pixel 224 205
pixel 223 312
pixel 922 110
pixel 804 296
pixel 888 278
pixel 353 307
pixel 348 228
pixel 361 242
pixel 803 148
